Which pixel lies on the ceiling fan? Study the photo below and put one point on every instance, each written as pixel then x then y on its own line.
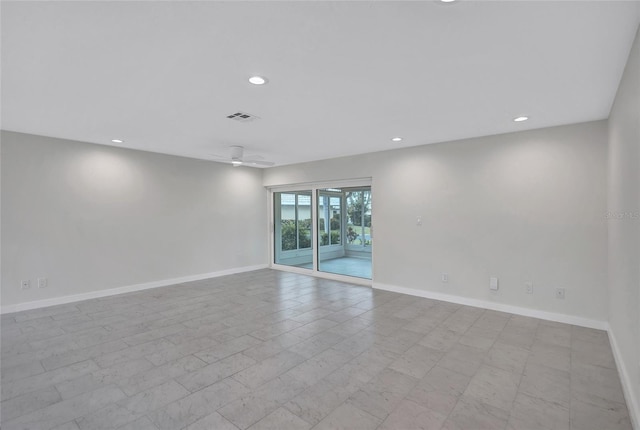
pixel 237 158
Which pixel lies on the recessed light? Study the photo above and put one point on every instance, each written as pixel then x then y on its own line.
pixel 447 1
pixel 397 139
pixel 117 141
pixel 258 80
pixel 521 118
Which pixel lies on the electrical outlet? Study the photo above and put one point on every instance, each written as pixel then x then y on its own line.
pixel 445 277
pixel 528 287
pixel 493 283
pixel 42 282
pixel 25 284
pixel 560 293
pixel 418 220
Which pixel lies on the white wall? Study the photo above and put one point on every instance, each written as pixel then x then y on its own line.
pixel 624 228
pixel 92 217
pixel 526 206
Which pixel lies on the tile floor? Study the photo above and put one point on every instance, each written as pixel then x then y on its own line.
pixel 275 350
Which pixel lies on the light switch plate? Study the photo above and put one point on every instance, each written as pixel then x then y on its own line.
pixel 528 287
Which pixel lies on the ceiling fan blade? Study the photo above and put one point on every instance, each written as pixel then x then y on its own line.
pixel 214 157
pixel 258 163
pixel 237 160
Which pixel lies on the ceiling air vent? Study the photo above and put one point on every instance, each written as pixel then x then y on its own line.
pixel 242 117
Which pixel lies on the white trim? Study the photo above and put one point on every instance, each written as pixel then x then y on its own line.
pixel 627 386
pixel 315 249
pixel 325 275
pixel 126 289
pixel 550 316
pixel 304 186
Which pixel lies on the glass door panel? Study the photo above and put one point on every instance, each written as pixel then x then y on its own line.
pixel 344 230
pixel 358 208
pixel 329 227
pixel 293 233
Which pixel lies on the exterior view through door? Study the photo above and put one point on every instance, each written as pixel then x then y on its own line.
pixel 341 237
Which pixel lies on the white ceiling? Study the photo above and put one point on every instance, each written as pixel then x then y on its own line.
pixel 345 77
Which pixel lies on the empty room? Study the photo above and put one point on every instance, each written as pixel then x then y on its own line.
pixel 295 215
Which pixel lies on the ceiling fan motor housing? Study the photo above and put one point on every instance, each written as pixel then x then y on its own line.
pixel 236 153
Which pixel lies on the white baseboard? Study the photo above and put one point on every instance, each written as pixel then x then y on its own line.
pixel 126 289
pixel 549 316
pixel 627 385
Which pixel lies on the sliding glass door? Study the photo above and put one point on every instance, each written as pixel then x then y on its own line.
pixel 342 220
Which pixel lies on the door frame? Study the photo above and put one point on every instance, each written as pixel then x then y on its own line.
pixel 314 187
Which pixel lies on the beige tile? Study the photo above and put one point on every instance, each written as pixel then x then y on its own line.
pixel 589 335
pixel 493 320
pixel 410 415
pixel 507 357
pixel 193 407
pixel 470 413
pixel 21 371
pixel 515 335
pixel 315 369
pixel 476 341
pixel 463 359
pixel 67 410
pixel 113 416
pixel 550 355
pixel 416 361
pixel 156 376
pixel 535 413
pixel 440 339
pixel 554 333
pixel 255 405
pixel 585 416
pixel 596 385
pixel 214 421
pixel 546 383
pixel 154 398
pixel 71 425
pixel 143 423
pixel 597 354
pixel 29 402
pixel 273 346
pixel 383 393
pixel 281 419
pixel 316 344
pixel 348 417
pixel 493 386
pixel 264 371
pixel 43 380
pixel 227 349
pixel 440 389
pixel 215 372
pixel 318 401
